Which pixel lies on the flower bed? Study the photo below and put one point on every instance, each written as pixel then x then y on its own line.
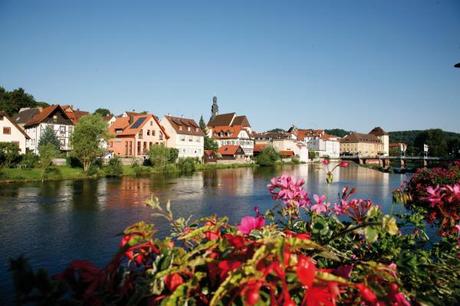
pixel 305 251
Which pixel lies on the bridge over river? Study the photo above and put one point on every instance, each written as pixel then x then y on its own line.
pixel 384 161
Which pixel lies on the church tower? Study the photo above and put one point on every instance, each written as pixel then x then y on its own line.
pixel 214 108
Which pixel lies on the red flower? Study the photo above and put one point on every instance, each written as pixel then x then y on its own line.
pixel 325 162
pixel 236 241
pixel 306 270
pixel 344 164
pixel 251 292
pixel 367 293
pixel 227 266
pixel 321 296
pixel 302 236
pixel 172 281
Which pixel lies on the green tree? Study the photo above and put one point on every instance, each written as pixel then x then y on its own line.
pixel 12 101
pixel 103 112
pixel 436 141
pixel 9 153
pixel 203 126
pixel 159 156
pixel 114 167
pixel 210 144
pixel 173 155
pixel 49 137
pixel 47 152
pixel 86 139
pixel 268 157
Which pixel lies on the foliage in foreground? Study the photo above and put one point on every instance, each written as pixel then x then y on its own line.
pixel 306 251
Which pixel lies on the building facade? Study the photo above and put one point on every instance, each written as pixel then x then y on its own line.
pixel 134 136
pixel 384 138
pixel 12 132
pixel 318 141
pixel 185 135
pixel 284 142
pixel 361 144
pixel 230 129
pixel 52 116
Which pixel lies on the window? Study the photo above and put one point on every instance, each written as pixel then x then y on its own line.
pixel 180 127
pixel 182 138
pixel 62 129
pixel 153 132
pixel 55 118
pixel 148 132
pixel 188 129
pixel 62 141
pixel 7 130
pixel 190 139
pixel 161 136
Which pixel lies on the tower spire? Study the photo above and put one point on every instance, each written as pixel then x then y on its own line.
pixel 214 108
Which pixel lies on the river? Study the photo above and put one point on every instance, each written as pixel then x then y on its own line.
pixel 52 223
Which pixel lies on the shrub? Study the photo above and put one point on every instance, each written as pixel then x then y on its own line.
pixel 160 156
pixel 29 160
pixel 47 153
pixel 114 167
pixel 187 165
pixel 295 160
pixel 268 157
pixel 49 137
pixel 9 154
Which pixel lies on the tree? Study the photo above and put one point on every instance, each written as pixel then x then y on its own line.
pixel 103 112
pixel 436 141
pixel 203 126
pixel 12 101
pixel 268 157
pixel 47 152
pixel 161 156
pixel 210 144
pixel 86 139
pixel 49 137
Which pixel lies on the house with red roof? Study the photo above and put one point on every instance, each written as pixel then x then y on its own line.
pixel 52 116
pixel 74 114
pixel 10 131
pixel 231 130
pixel 232 152
pixel 285 143
pixel 134 135
pixel 185 135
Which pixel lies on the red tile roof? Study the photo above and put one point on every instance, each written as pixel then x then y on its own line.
pixel 230 150
pixel 359 137
pixel 45 113
pixel 185 126
pixel 227 131
pixel 129 128
pixel 120 123
pixel 259 147
pixel 286 153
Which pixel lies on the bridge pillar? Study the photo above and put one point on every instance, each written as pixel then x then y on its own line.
pixel 402 163
pixel 425 163
pixel 381 163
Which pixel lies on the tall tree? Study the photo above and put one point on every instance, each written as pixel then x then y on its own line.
pixel 103 112
pixel 209 143
pixel 89 133
pixel 203 125
pixel 12 101
pixel 49 137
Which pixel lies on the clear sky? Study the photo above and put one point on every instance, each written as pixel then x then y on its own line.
pixel 317 64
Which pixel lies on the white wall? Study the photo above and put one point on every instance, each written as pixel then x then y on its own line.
pixel 187 145
pixel 62 131
pixel 14 136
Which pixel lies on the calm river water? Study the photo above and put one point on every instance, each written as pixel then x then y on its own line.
pixel 52 223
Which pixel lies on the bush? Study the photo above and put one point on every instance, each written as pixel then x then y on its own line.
pixel 268 157
pixel 29 160
pixel 47 153
pixel 295 160
pixel 9 154
pixel 73 162
pixel 160 156
pixel 187 165
pixel 114 167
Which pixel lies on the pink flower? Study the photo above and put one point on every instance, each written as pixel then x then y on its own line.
pixel 248 223
pixel 325 162
pixel 320 206
pixel 344 164
pixel 434 195
pixel 289 190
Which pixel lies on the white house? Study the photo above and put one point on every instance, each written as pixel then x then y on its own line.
pixel 384 137
pixel 185 135
pixel 323 144
pixel 56 118
pixel 285 143
pixel 12 132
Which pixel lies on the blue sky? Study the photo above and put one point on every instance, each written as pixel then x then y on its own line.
pixel 317 64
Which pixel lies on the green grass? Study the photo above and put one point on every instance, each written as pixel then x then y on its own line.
pixel 69 173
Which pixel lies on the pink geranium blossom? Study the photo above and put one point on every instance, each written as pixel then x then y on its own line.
pixel 320 206
pixel 289 190
pixel 249 223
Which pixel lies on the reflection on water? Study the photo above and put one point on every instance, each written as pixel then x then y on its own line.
pixel 54 222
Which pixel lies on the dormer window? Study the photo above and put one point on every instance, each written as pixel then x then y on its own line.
pixel 188 129
pixel 180 127
pixel 55 118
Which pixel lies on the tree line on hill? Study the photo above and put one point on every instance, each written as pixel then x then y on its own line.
pixel 12 101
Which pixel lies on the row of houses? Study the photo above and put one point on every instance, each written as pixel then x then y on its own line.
pixel 135 133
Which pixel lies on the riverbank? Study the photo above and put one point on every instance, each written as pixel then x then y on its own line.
pixel 13 175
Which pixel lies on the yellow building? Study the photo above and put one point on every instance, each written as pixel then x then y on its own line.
pixel 361 144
